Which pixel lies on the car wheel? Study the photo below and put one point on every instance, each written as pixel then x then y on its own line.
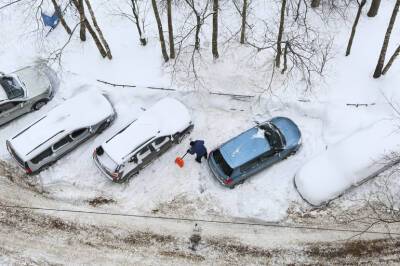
pixel 39 105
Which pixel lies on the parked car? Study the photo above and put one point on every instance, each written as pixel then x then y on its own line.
pixel 23 91
pixel 253 150
pixel 349 163
pixel 143 140
pixel 61 130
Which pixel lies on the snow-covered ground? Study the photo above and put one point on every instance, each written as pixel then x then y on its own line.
pixel 322 114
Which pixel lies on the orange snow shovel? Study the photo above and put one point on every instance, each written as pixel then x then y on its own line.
pixel 179 160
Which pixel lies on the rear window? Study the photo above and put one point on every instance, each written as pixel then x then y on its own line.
pixel 46 153
pixel 219 159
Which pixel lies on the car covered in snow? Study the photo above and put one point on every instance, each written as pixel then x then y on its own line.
pixel 23 91
pixel 349 163
pixel 253 150
pixel 140 142
pixel 61 130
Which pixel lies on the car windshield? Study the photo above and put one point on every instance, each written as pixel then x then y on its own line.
pixel 273 135
pixel 11 87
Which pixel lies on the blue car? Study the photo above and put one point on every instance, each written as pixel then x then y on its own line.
pixel 253 150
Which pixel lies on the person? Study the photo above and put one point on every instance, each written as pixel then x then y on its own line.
pixel 197 147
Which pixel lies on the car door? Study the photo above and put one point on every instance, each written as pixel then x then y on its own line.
pixel 249 168
pixel 62 146
pixel 145 155
pixel 10 110
pixel 80 135
pixel 162 144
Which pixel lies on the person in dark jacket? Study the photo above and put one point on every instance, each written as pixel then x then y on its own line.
pixel 197 147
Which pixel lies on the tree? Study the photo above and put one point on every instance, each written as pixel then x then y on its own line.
pixel 373 10
pixel 315 3
pixel 60 15
pixel 136 20
pixel 81 10
pixel 160 30
pixel 215 30
pixel 280 35
pixel 382 55
pixel 353 30
pixel 391 60
pixel 170 30
pixel 200 17
pixel 96 26
pixel 244 18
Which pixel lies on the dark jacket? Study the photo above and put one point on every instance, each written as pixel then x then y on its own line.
pixel 198 148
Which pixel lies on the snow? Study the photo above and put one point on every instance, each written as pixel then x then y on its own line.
pixel 348 163
pixel 83 110
pixel 165 118
pixel 321 112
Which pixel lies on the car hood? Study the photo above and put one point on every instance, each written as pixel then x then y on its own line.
pixel 34 80
pixel 289 129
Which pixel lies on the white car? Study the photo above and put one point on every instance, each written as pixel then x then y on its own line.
pixel 61 130
pixel 141 141
pixel 348 163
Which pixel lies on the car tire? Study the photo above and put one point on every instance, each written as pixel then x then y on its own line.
pixel 38 105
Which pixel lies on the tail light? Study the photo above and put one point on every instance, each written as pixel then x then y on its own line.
pixel 228 181
pixel 115 176
pixel 27 169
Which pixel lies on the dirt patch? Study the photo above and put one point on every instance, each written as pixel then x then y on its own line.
pixel 98 201
pixel 183 255
pixel 147 239
pixel 227 245
pixel 59 224
pixel 355 249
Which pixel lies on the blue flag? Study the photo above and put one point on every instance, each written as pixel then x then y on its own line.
pixel 50 21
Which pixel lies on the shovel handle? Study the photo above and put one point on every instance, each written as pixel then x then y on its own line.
pixel 184 155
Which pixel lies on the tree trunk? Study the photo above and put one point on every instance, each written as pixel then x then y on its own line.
pixel 135 12
pixel 160 31
pixel 215 30
pixel 381 60
pixel 391 60
pixel 244 17
pixel 197 34
pixel 280 34
pixel 81 10
pixel 60 15
pixel 170 30
pixel 353 30
pixel 96 26
pixel 373 10
pixel 91 31
pixel 315 3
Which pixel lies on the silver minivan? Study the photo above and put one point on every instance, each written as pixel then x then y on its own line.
pixel 143 140
pixel 60 131
pixel 23 91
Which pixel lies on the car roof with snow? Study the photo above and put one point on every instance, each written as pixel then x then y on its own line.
pixel 167 117
pixel 349 162
pixel 245 147
pixel 83 110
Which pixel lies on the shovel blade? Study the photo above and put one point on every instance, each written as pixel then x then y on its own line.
pixel 180 162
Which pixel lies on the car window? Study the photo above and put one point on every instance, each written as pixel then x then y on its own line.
pixel 62 142
pixel 161 141
pixel 144 150
pixel 46 153
pixel 247 166
pixel 78 133
pixel 7 106
pixel 12 88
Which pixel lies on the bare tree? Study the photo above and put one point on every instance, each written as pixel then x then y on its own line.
pixel 136 19
pixel 61 16
pixel 170 30
pixel 96 26
pixel 89 28
pixel 81 10
pixel 160 31
pixel 315 3
pixel 244 22
pixel 391 60
pixel 215 29
pixel 381 60
pixel 280 35
pixel 373 10
pixel 353 29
